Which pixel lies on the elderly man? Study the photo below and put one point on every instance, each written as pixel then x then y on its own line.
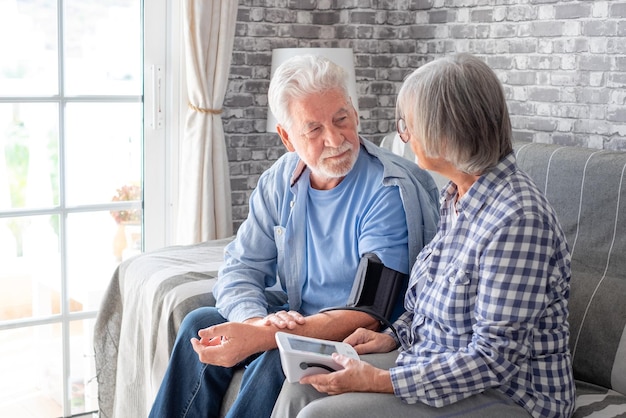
pixel 333 198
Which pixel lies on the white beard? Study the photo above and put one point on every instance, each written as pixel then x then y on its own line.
pixel 336 168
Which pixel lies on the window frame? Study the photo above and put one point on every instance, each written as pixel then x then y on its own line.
pixel 161 144
pixel 162 49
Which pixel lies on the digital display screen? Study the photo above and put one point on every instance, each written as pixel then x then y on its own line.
pixel 313 347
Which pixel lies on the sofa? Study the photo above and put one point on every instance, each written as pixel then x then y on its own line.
pixel 150 294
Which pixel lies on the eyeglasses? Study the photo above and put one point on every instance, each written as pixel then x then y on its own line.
pixel 403 131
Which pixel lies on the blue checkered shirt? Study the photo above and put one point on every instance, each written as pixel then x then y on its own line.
pixel 487 303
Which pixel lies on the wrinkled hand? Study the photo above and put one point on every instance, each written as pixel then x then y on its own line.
pixel 366 341
pixel 284 319
pixel 230 343
pixel 357 376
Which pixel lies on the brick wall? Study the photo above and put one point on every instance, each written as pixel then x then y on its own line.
pixel 563 65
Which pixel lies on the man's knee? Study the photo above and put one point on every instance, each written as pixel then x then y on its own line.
pixel 198 319
pixel 267 365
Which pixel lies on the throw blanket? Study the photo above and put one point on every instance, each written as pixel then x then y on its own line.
pixel 147 298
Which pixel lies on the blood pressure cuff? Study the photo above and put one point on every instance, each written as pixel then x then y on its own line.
pixel 377 290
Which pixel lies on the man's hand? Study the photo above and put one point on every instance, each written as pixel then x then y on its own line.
pixel 357 376
pixel 366 341
pixel 230 343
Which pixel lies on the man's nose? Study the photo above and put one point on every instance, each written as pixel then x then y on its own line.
pixel 334 137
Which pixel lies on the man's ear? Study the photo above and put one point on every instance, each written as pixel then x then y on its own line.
pixel 284 136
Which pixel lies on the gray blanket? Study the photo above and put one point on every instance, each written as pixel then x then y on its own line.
pixel 146 300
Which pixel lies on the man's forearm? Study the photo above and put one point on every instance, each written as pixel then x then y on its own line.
pixel 231 342
pixel 332 325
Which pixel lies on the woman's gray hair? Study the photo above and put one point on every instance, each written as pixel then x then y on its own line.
pixel 458 112
pixel 299 77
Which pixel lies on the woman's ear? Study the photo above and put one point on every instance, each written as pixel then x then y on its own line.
pixel 284 136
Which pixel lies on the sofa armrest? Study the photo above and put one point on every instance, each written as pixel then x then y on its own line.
pixel 148 297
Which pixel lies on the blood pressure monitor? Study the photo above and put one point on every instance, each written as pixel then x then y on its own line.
pixel 302 356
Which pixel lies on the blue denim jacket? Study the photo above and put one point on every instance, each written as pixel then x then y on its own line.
pixel 269 248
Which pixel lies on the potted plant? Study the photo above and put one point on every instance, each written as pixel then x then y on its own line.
pixel 128 221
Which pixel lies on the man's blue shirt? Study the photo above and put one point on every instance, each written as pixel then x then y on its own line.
pixel 358 216
pixel 271 248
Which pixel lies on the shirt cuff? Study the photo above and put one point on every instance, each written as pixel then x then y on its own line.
pixel 406 386
pixel 388 331
pixel 242 311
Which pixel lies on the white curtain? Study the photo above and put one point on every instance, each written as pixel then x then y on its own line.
pixel 204 209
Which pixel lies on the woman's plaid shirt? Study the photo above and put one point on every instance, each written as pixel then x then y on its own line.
pixel 487 304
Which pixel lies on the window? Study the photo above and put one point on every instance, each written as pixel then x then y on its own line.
pixel 76 165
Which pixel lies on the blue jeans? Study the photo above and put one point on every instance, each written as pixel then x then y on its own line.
pixel 194 389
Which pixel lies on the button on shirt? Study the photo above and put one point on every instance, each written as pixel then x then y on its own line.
pixel 487 303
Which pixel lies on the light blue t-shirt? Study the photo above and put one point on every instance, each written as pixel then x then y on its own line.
pixel 271 249
pixel 358 216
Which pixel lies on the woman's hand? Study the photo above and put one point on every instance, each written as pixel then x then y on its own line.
pixel 366 341
pixel 356 376
pixel 284 319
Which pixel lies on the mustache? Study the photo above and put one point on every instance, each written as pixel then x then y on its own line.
pixel 333 152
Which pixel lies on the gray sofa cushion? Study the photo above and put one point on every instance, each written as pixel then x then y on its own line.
pixel 598 401
pixel 598 321
pixel 588 190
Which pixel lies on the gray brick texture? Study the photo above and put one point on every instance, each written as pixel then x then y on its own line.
pixel 562 62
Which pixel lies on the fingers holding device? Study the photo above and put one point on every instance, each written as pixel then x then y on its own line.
pixel 303 356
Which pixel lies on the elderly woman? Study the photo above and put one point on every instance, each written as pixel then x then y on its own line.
pixel 485 332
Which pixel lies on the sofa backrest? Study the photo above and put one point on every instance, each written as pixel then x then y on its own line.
pixel 587 188
pixel 588 191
